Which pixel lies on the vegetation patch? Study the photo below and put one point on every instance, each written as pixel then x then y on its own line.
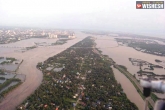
pixel 60 42
pixel 8 60
pixel 8 82
pixel 158 61
pixel 10 89
pixel 2 78
pixel 146 46
pixel 32 47
pixel 2 72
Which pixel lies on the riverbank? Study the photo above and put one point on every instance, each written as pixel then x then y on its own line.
pixel 127 87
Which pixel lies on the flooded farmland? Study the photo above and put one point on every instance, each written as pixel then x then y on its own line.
pixel 6 76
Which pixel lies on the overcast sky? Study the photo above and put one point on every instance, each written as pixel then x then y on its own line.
pixel 110 15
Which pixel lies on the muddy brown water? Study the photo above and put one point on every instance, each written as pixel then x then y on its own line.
pixel 129 89
pixel 120 55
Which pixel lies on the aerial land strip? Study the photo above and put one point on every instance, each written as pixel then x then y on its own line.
pixel 78 79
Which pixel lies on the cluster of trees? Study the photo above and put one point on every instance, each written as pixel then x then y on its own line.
pixel 102 91
pixel 60 42
pixel 8 60
pixel 158 61
pixel 8 82
pixel 10 89
pixel 5 40
pixel 155 49
pixel 11 59
pixel 2 72
pixel 1 57
pixel 2 78
pixel 87 82
pixel 151 48
pixel 32 47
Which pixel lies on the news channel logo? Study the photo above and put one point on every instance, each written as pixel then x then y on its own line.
pixel 149 4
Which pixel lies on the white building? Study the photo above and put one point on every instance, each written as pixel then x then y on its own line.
pixel 72 36
pixel 52 36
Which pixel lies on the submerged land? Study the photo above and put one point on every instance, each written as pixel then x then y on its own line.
pixel 68 72
pixel 144 45
pixel 8 79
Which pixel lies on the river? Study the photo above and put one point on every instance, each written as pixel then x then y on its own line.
pixel 127 86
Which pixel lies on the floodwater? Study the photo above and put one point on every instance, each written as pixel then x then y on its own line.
pixel 22 77
pixel 28 67
pixel 121 54
pixel 11 84
pixel 29 42
pixel 108 45
pixel 9 67
pixel 127 86
pixel 2 60
pixel 20 45
pixel 6 76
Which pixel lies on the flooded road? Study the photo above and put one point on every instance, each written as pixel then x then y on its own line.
pixel 28 68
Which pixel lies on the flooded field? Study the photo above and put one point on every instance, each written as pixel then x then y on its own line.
pixel 22 77
pixel 6 76
pixel 12 84
pixel 29 42
pixel 21 45
pixel 2 60
pixel 9 65
pixel 28 67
